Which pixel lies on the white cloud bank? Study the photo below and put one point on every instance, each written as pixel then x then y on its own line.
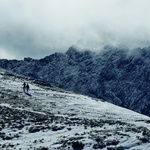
pixel 36 28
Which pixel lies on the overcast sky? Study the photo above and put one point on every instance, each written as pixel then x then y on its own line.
pixel 36 28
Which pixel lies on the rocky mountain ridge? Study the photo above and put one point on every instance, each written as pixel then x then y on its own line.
pixel 117 75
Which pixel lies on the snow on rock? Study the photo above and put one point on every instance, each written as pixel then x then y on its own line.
pixel 49 118
pixel 115 74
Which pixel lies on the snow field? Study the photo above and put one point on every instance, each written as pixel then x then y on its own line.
pixel 55 120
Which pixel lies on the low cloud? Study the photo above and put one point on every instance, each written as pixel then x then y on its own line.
pixel 41 27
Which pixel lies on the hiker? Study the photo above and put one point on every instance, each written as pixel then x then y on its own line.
pixel 24 87
pixel 27 87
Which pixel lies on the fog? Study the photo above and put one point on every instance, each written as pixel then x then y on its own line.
pixel 36 28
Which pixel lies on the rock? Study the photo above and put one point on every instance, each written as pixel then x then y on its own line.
pixel 37 128
pixel 42 148
pixel 146 132
pixel 77 145
pixel 115 148
pixel 99 145
pixel 56 128
pixel 112 142
pixel 144 139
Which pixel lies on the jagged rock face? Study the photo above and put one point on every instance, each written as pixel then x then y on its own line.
pixel 116 75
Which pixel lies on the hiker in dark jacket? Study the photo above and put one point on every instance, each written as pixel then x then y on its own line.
pixel 27 87
pixel 24 87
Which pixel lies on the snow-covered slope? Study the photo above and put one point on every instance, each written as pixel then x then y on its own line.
pixel 49 118
pixel 114 75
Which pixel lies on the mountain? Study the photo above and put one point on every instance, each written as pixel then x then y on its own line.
pixel 117 75
pixel 49 118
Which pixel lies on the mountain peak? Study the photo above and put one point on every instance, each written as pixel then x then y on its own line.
pixel 28 59
pixel 73 50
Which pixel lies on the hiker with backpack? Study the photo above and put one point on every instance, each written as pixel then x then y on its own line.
pixel 25 87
